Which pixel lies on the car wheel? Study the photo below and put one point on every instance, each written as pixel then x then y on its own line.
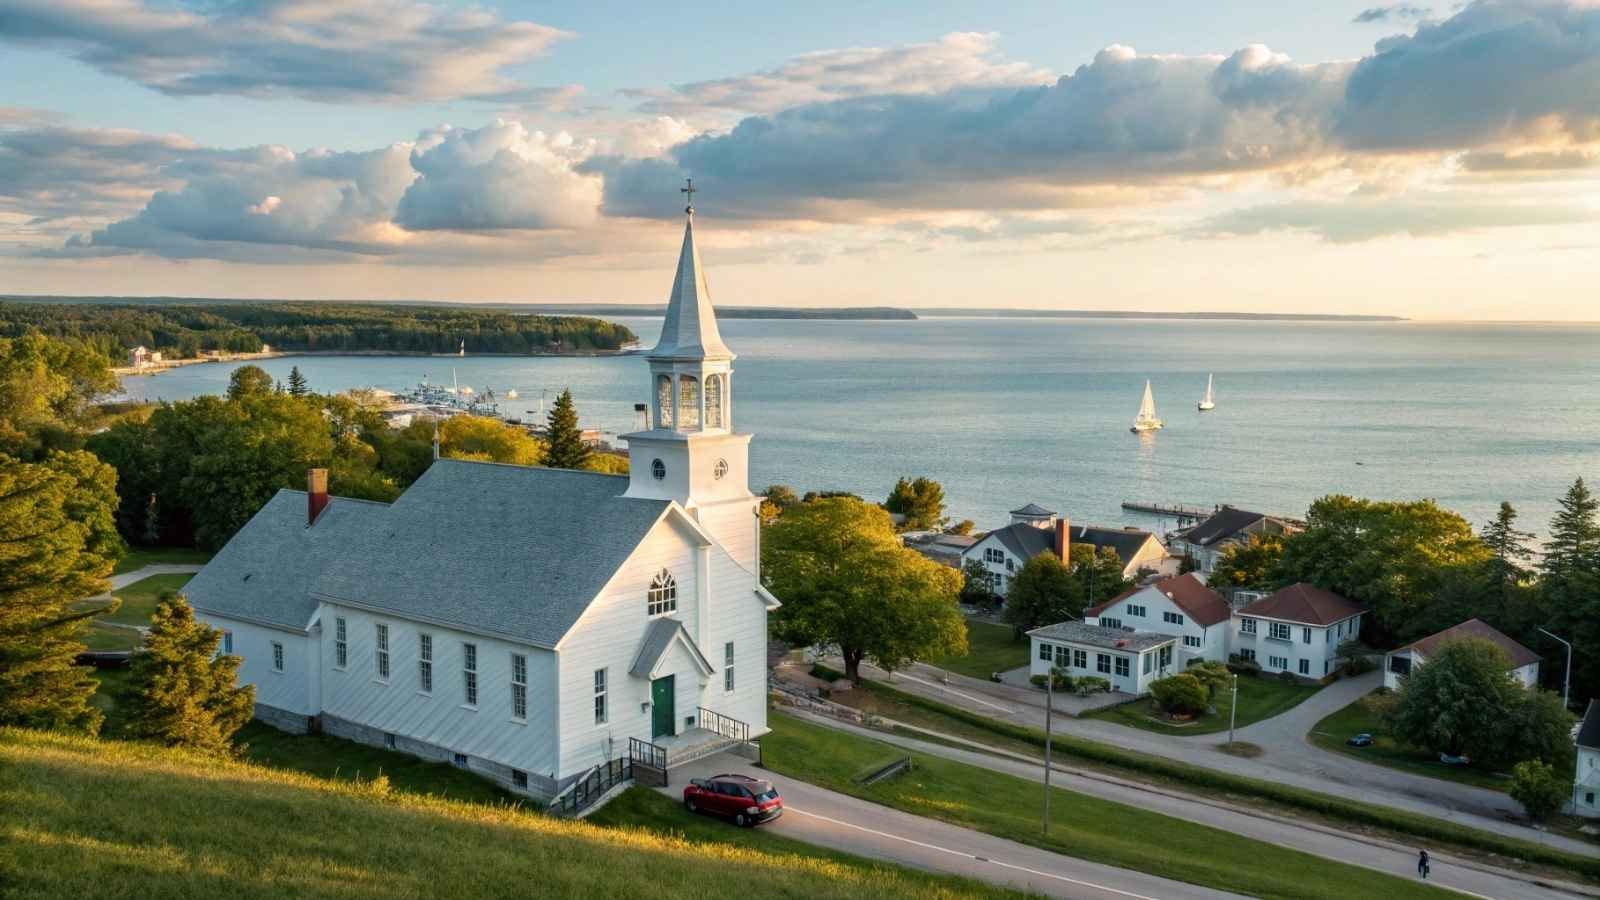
pixel 741 820
pixel 689 805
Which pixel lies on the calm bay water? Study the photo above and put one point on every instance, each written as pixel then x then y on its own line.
pixel 1007 411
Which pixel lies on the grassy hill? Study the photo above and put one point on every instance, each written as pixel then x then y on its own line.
pixel 88 818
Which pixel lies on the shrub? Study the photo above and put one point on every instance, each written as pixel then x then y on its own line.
pixel 1062 682
pixel 1534 785
pixel 1288 677
pixel 1092 684
pixel 1181 693
pixel 1238 665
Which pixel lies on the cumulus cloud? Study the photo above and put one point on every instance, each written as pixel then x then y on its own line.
pixel 54 171
pixel 965 60
pixel 354 50
pixel 499 176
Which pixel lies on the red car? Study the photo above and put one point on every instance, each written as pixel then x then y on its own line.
pixel 745 800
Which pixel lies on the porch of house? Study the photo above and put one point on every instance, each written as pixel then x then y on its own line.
pixel 711 734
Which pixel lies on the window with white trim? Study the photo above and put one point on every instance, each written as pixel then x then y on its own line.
pixel 1281 631
pixel 1135 609
pixel 1305 667
pixel 1278 662
pixel 1147 662
pixel 600 692
pixel 1248 654
pixel 727 666
pixel 1080 659
pixel 1122 666
pixel 1110 623
pixel 688 401
pixel 519 779
pixel 1305 635
pixel 382 652
pixel 469 674
pixel 519 687
pixel 227 642
pixel 1044 651
pixel 663 595
pixel 1172 618
pixel 994 555
pixel 1061 657
pixel 1190 640
pixel 1166 656
pixel 1247 626
pixel 425 663
pixel 341 647
pixel 277 657
pixel 1102 662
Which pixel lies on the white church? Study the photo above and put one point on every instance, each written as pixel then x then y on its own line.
pixel 525 623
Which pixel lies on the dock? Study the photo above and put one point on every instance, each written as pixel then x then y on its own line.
pixel 1177 511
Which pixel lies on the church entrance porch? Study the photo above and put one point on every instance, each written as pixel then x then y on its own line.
pixel 663 711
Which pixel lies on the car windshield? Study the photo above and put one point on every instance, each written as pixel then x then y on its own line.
pixel 768 794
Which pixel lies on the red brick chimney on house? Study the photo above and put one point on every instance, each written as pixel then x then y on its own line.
pixel 316 494
pixel 1063 539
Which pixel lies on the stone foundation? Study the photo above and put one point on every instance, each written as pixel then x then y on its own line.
pixel 283 720
pixel 539 787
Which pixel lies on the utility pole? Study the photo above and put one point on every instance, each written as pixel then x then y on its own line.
pixel 1049 710
pixel 1566 686
pixel 1233 710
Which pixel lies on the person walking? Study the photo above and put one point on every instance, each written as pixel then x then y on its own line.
pixel 1422 864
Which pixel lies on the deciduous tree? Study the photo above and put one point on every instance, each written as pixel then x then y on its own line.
pixel 920 501
pixel 1248 566
pixel 182 693
pixel 977 585
pixel 846 581
pixel 1180 693
pixel 1041 593
pixel 1535 785
pixel 248 381
pixel 564 446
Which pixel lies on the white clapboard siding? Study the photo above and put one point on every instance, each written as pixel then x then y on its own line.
pixel 293 689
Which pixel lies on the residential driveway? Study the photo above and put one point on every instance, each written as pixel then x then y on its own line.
pixel 1281 830
pixel 1288 760
pixel 833 820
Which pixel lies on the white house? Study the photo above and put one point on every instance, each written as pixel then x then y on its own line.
pixel 1181 607
pixel 1206 541
pixel 1399 663
pixel 1586 784
pixel 1129 660
pixel 1034 529
pixel 525 623
pixel 1297 629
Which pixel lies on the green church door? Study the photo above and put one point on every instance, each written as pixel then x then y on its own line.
pixel 662 713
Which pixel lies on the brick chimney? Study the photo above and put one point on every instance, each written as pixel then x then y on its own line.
pixel 316 494
pixel 1063 538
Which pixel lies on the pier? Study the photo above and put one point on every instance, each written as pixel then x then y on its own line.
pixel 1170 510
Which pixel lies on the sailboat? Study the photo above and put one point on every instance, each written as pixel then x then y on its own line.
pixel 1146 420
pixel 511 393
pixel 1208 401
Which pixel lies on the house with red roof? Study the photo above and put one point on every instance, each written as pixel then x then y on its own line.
pixel 1296 629
pixel 1182 607
pixel 1402 662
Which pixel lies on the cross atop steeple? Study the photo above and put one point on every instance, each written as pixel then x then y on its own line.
pixel 688 191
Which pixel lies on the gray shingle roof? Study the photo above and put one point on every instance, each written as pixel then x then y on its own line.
pixel 1033 509
pixel 657 639
pixel 1099 636
pixel 1026 541
pixel 1589 731
pixel 507 550
pixel 1126 541
pixel 265 573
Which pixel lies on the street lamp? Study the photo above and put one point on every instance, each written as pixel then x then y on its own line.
pixel 1566 686
pixel 1233 710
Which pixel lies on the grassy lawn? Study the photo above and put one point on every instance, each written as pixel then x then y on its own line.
pixel 115 819
pixel 140 598
pixel 990 648
pixel 341 760
pixel 1081 826
pixel 110 638
pixel 1259 698
pixel 139 557
pixel 1331 733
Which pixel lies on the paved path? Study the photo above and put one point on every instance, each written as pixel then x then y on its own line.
pixel 839 822
pixel 118 582
pixel 1289 761
pixel 1467 876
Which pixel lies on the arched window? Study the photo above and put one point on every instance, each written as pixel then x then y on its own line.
pixel 664 401
pixel 663 597
pixel 713 401
pixel 688 401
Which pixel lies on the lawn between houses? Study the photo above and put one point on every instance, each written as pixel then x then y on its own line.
pixel 1260 697
pixel 139 557
pixel 115 631
pixel 1081 826
pixel 990 648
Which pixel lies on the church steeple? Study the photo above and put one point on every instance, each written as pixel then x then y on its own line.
pixel 689 331
pixel 691 368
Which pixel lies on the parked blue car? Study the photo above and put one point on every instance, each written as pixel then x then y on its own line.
pixel 1361 740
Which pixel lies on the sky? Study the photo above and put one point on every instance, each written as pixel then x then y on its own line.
pixel 1431 161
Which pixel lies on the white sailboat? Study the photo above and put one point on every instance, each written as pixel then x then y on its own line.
pixel 1146 420
pixel 1209 401
pixel 511 394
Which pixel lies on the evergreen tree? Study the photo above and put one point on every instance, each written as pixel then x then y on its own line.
pixel 58 542
pixel 1574 541
pixel 297 382
pixel 182 694
pixel 564 447
pixel 920 502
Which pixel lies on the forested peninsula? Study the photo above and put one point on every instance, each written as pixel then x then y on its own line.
pixel 186 330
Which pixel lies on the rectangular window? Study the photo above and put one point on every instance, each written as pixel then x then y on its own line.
pixel 388 740
pixel 277 656
pixel 1044 651
pixel 1080 659
pixel 1278 662
pixel 1324 667
pixel 1327 636
pixel 1305 667
pixel 1147 662
pixel 1281 632
pixel 1247 626
pixel 460 759
pixel 341 647
pixel 227 642
pixel 383 652
pixel 1061 657
pixel 1135 609
pixel 1172 618
pixel 425 663
pixel 519 779
pixel 994 555
pixel 469 674
pixel 519 687
pixel 1190 640
pixel 1122 666
pixel 1247 653
pixel 1589 798
pixel 600 696
pixel 1166 656
pixel 1305 635
pixel 727 666
pixel 1110 623
pixel 1102 662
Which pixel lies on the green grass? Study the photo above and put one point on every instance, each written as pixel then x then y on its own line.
pixel 103 637
pixel 1259 698
pixel 341 760
pixel 1351 815
pixel 139 557
pixel 140 598
pixel 1331 733
pixel 1080 826
pixel 114 819
pixel 990 648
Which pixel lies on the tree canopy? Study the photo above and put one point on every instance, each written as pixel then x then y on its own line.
pixel 46 388
pixel 846 581
pixel 182 693
pixel 1249 566
pixel 920 501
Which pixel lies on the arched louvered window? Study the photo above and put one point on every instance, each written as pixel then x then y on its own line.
pixel 663 596
pixel 713 401
pixel 688 402
pixel 664 401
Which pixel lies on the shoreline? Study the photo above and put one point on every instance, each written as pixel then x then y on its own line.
pixel 166 365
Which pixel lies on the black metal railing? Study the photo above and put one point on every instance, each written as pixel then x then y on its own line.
pixel 645 753
pixel 591 787
pixel 727 726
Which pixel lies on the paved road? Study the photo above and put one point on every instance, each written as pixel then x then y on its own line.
pixel 833 820
pixel 1287 760
pixel 1467 876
